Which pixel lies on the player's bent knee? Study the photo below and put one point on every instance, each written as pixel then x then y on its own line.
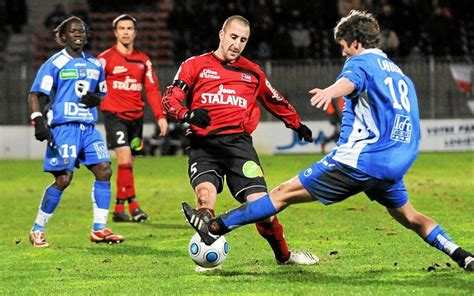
pixel 102 171
pixel 62 182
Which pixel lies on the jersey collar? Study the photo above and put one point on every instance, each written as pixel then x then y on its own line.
pixel 376 51
pixel 64 52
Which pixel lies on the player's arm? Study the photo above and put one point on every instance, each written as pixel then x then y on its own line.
pixel 42 132
pixel 173 98
pixel 322 97
pixel 154 97
pixel 278 106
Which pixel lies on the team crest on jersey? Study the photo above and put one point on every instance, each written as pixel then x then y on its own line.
pixel 246 77
pixel 401 130
pixel 82 72
pixel 68 74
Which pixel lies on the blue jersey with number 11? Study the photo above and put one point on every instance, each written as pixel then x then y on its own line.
pixel 380 130
pixel 69 79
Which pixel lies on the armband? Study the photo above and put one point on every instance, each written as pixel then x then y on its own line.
pixel 181 84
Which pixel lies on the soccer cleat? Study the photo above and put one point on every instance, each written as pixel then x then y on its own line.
pixel 204 269
pixel 300 258
pixel 106 236
pixel 469 264
pixel 37 239
pixel 138 215
pixel 121 217
pixel 199 221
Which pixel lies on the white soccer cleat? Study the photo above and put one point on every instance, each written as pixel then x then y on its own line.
pixel 37 239
pixel 301 258
pixel 204 269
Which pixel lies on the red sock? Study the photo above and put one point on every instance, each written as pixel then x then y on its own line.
pixel 119 208
pixel 125 182
pixel 273 233
pixel 133 204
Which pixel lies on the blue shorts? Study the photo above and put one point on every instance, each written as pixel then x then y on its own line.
pixel 331 182
pixel 74 144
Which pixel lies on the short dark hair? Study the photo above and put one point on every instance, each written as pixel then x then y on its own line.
pixel 124 17
pixel 61 28
pixel 358 25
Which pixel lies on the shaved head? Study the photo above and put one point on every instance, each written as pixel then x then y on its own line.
pixel 237 18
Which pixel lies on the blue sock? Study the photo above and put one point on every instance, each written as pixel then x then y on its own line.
pixel 49 203
pixel 101 202
pixel 440 240
pixel 249 212
pixel 51 198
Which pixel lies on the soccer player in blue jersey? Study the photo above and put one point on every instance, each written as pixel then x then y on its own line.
pixel 379 142
pixel 75 83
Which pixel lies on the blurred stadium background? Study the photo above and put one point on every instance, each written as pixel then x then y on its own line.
pixel 432 40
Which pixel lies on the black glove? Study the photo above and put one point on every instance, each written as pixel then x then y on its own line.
pixel 197 117
pixel 304 133
pixel 91 100
pixel 42 132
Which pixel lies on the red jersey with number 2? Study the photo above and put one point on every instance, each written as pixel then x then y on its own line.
pixel 127 75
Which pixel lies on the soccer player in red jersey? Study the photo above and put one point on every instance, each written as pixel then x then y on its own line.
pixel 128 71
pixel 221 90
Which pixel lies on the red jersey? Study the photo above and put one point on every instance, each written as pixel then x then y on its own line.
pixel 126 75
pixel 229 91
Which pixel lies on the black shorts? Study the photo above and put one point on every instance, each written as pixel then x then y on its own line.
pixel 121 132
pixel 230 156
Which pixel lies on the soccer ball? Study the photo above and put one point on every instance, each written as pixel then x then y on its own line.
pixel 208 256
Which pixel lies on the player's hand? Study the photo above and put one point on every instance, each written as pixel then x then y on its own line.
pixel 163 125
pixel 91 100
pixel 198 117
pixel 304 133
pixel 42 132
pixel 320 98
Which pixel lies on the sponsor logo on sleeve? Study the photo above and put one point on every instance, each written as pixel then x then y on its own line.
pixel 47 83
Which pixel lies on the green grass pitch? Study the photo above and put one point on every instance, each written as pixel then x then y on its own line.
pixel 362 249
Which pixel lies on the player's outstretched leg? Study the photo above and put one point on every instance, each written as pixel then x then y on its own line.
pixel 272 231
pixel 300 258
pixel 199 222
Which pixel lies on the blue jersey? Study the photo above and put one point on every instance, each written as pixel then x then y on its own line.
pixel 380 130
pixel 66 79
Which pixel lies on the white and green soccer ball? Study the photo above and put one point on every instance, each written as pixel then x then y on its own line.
pixel 208 256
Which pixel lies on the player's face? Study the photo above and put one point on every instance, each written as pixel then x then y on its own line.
pixel 348 50
pixel 233 40
pixel 125 32
pixel 75 35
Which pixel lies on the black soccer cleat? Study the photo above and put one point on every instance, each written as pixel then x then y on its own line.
pixel 120 217
pixel 199 221
pixel 138 215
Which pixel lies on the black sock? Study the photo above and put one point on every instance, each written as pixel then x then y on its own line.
pixel 120 201
pixel 131 199
pixel 217 227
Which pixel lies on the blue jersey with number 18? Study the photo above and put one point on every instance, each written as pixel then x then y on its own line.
pixel 68 79
pixel 380 130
